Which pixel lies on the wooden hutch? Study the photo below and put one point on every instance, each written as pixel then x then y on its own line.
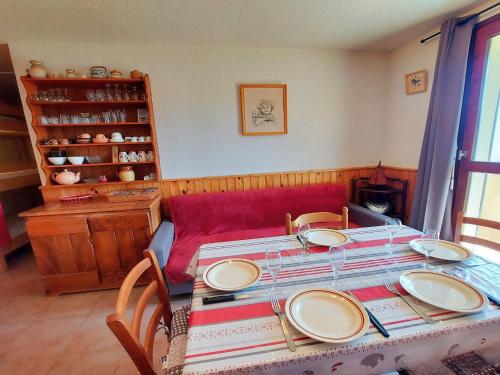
pixel 93 244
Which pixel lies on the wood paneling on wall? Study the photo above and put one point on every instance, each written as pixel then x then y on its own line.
pixel 173 187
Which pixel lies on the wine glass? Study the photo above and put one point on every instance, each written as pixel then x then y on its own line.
pixel 303 233
pixel 336 258
pixel 429 242
pixel 273 262
pixel 393 226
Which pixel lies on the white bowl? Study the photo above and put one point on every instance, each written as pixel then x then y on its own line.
pixel 76 160
pixel 58 160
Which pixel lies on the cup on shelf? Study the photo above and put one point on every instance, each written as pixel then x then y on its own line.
pixel 116 137
pixel 100 96
pixel 143 157
pixel 90 95
pixel 133 157
pixel 64 141
pixel 128 139
pixel 53 142
pixel 133 139
pixel 123 157
pixel 148 138
pixel 141 139
pixel 151 156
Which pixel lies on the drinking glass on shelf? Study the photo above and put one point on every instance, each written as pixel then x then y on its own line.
pixel 66 96
pixel 95 118
pixel 336 258
pixel 109 93
pixel 64 118
pixel 303 232
pixel 125 92
pixel 134 95
pixel 117 93
pixel 75 119
pixel 273 262
pixel 44 120
pixel 100 95
pixel 393 226
pixel 123 115
pixel 429 242
pixel 114 116
pixel 44 96
pixel 106 117
pixel 90 95
pixel 59 95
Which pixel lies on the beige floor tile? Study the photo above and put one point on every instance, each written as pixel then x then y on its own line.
pixel 102 362
pixel 44 339
pixel 26 366
pixel 25 308
pixel 74 304
pixel 10 332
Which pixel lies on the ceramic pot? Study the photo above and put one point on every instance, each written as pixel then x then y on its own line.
pixel 37 69
pixel 126 174
pixel 66 177
pixel 135 74
pixel 115 74
pixel 98 72
pixel 70 73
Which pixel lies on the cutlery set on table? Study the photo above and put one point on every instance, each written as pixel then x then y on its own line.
pixel 332 316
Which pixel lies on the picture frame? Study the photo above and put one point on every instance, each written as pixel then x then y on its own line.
pixel 264 109
pixel 416 82
pixel 142 115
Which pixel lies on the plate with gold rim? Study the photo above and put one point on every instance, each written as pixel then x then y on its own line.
pixel 327 315
pixel 232 274
pixel 445 250
pixel 326 237
pixel 444 291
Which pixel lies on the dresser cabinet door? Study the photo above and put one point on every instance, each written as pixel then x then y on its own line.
pixel 119 240
pixel 63 253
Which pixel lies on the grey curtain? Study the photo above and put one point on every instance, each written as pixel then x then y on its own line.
pixel 433 191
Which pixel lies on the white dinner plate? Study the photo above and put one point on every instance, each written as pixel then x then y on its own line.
pixel 444 291
pixel 326 237
pixel 232 274
pixel 445 250
pixel 327 315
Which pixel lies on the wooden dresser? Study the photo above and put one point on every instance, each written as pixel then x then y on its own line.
pixel 90 245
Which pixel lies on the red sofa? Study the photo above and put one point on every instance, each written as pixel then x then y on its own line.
pixel 216 217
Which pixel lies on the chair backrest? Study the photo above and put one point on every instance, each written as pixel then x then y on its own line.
pixel 459 237
pixel 128 333
pixel 317 217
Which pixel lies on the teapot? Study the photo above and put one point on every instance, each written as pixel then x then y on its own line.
pixel 66 177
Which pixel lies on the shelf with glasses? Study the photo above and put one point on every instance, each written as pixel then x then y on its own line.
pixel 128 123
pixel 88 102
pixel 108 183
pixel 98 164
pixel 96 144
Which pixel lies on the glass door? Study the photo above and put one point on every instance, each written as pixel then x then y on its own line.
pixel 478 183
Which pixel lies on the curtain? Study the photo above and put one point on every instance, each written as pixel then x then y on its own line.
pixel 433 190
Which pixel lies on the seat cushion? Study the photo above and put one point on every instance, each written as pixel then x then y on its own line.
pixel 178 338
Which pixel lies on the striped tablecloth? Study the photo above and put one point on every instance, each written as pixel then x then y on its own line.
pixel 246 337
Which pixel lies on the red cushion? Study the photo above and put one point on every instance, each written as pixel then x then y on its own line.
pixel 198 217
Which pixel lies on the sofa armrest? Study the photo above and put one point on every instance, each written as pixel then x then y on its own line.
pixel 365 217
pixel 162 241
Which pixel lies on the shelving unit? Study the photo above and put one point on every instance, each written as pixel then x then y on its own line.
pixel 78 103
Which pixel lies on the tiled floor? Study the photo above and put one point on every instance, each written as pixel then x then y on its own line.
pixel 57 335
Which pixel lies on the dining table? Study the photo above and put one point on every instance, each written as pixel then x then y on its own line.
pixel 245 335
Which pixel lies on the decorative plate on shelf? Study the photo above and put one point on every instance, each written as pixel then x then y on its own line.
pixel 132 194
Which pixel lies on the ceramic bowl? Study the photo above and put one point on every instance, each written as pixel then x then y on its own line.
pixel 76 160
pixel 93 159
pixel 58 160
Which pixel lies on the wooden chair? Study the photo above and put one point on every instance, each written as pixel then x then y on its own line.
pixel 128 333
pixel 317 217
pixel 459 237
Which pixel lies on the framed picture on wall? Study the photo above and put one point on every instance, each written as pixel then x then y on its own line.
pixel 263 109
pixel 416 82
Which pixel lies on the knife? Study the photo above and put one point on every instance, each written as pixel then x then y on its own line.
pixel 224 298
pixel 492 298
pixel 302 242
pixel 373 318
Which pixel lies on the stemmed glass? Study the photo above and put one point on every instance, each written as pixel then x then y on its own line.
pixel 303 231
pixel 336 258
pixel 273 262
pixel 392 226
pixel 429 242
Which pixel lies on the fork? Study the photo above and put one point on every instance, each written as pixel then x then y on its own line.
pixel 392 288
pixel 286 332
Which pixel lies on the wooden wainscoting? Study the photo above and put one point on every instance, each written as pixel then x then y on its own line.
pixel 173 187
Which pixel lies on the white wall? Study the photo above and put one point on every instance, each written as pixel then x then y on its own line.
pixel 407 114
pixel 336 103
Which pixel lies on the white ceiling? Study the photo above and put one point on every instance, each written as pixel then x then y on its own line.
pixel 332 24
